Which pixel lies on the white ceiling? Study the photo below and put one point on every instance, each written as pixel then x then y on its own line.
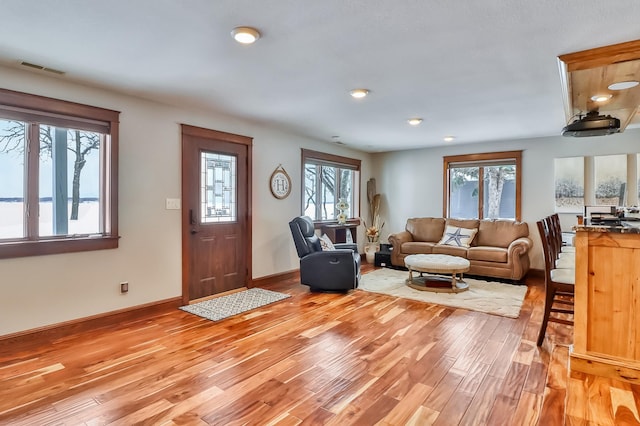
pixel 480 70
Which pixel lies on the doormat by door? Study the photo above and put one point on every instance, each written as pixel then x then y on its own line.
pixel 233 304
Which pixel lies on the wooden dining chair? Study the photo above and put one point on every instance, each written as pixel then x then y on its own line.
pixel 561 259
pixel 557 234
pixel 559 284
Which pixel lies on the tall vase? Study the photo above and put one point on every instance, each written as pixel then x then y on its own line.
pixel 370 250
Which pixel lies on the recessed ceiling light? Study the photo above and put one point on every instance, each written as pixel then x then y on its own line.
pixel 359 93
pixel 245 35
pixel 601 98
pixel 449 138
pixel 414 121
pixel 623 85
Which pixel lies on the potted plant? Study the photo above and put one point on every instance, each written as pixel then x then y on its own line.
pixel 372 231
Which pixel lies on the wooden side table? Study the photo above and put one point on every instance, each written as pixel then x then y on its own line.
pixel 338 233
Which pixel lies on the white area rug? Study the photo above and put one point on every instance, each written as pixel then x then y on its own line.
pixel 233 304
pixel 483 296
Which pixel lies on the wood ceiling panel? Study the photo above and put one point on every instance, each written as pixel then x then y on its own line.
pixel 590 72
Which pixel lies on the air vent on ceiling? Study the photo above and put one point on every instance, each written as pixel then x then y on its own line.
pixel 41 68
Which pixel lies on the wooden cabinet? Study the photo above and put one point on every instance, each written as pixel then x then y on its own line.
pixel 607 305
pixel 338 233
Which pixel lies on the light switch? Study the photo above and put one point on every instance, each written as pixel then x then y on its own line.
pixel 173 204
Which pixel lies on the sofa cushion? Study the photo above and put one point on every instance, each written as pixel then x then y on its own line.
pixel 489 254
pixel 450 250
pixel 426 228
pixel 459 237
pixel 417 247
pixel 463 223
pixel 500 233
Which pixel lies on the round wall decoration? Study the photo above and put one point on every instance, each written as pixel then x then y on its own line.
pixel 280 183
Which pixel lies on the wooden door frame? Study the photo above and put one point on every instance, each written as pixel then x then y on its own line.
pixel 200 132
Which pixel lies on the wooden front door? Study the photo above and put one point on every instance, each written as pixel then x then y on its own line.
pixel 216 206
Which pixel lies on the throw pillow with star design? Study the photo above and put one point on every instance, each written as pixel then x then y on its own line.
pixel 459 237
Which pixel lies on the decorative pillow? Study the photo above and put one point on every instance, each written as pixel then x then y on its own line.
pixel 459 237
pixel 326 243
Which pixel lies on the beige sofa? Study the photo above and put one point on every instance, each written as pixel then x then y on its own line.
pixel 499 249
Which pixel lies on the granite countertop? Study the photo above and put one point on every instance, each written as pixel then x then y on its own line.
pixel 605 228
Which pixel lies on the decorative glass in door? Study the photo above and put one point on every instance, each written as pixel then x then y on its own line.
pixel 218 188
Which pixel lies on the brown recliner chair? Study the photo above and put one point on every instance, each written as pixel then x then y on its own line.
pixel 333 270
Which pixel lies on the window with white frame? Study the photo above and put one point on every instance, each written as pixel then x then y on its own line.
pixel 58 176
pixel 327 180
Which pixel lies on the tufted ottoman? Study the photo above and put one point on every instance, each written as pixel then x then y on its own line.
pixel 437 264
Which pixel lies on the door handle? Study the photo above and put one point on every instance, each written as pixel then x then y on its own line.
pixel 192 222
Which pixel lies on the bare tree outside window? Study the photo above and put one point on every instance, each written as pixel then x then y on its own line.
pixel 465 191
pixel 483 186
pixel 310 178
pixel 495 178
pixel 58 176
pixel 80 144
pixel 328 175
pixel 327 179
pixel 463 198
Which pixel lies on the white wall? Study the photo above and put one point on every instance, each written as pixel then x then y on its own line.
pixel 411 181
pixel 44 290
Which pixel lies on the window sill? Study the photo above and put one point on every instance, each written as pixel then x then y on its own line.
pixel 56 246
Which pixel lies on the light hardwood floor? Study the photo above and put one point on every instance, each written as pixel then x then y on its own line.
pixel 360 358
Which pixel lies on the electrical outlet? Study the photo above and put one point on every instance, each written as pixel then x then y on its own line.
pixel 124 287
pixel 172 204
